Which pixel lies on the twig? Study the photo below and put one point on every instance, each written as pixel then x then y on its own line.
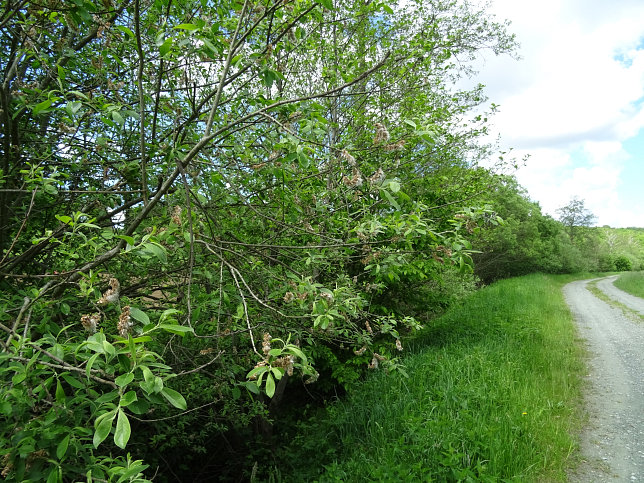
pixel 62 192
pixel 241 293
pixel 191 260
pixel 26 329
pixel 172 417
pixel 229 58
pixel 301 247
pixel 65 367
pixel 12 331
pixel 24 222
pixel 197 369
pixel 139 82
pixel 236 273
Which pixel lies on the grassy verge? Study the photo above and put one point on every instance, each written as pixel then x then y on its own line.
pixel 492 394
pixel 631 282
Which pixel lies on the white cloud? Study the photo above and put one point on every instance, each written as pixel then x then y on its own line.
pixel 572 100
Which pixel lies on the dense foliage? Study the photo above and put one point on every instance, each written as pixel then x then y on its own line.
pixel 205 206
pixel 529 241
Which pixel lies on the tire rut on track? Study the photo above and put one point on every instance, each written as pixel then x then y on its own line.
pixel 612 444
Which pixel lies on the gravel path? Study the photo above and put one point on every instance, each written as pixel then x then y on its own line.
pixel 631 301
pixel 612 444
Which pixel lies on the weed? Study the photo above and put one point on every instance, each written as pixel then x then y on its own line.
pixel 492 395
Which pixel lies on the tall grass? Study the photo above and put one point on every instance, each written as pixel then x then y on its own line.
pixel 631 282
pixel 491 395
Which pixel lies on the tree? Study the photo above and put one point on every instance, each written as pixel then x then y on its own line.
pixel 214 199
pixel 575 215
pixel 527 241
pixel 623 263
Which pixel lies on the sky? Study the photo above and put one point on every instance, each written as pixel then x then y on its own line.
pixel 575 103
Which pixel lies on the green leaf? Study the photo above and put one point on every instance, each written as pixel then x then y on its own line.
pixel 210 47
pixel 128 398
pixel 297 352
pixel 158 384
pixel 72 381
pixel 109 348
pixel 278 372
pixel 328 4
pixel 124 380
pixel 394 186
pixel 60 393
pixel 73 107
pixel 54 476
pixel 158 251
pixel 270 385
pixel 107 397
pixel 117 118
pixel 139 315
pixel 50 189
pixel 391 199
pixel 90 363
pixel 80 95
pixel 303 160
pixel 140 406
pixel 42 107
pixel 165 47
pixel 269 76
pixel 125 30
pixel 5 408
pixel 123 431
pixel 256 371
pixel 410 123
pixel 18 378
pixel 147 373
pixel 138 340
pixel 176 329
pixel 95 342
pixel 61 449
pixel 64 219
pixel 147 386
pixel 128 239
pixel 103 426
pixel 174 398
pixel 186 26
pixel 251 386
pixel 133 470
pixel 167 313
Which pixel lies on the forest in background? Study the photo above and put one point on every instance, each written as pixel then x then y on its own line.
pixel 212 211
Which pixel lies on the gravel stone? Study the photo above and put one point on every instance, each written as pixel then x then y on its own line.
pixel 612 443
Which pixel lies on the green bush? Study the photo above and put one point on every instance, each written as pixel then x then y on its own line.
pixel 623 264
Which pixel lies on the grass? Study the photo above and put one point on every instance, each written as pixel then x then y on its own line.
pixel 492 395
pixel 631 282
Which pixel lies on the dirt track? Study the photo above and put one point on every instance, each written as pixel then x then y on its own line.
pixel 612 444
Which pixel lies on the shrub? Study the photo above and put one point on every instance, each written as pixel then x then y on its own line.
pixel 623 264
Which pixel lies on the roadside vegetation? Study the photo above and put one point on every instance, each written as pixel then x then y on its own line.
pixel 492 394
pixel 216 217
pixel 631 282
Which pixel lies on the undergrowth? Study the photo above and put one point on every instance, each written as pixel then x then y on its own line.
pixel 492 395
